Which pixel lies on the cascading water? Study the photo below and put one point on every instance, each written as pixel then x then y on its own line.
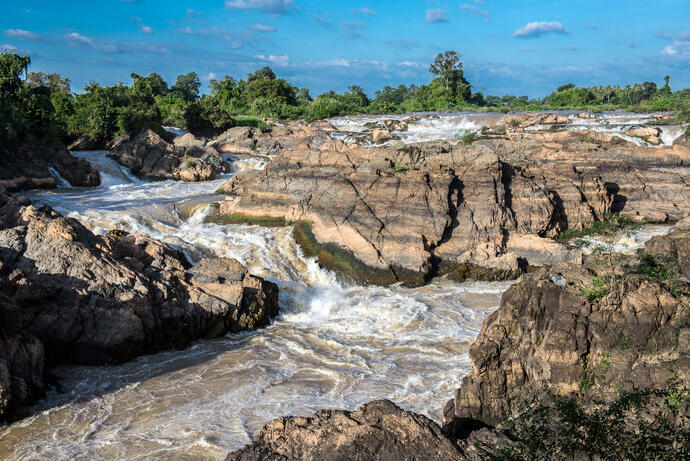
pixel 332 346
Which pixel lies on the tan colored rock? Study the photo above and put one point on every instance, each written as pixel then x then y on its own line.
pixel 649 134
pixel 380 136
pixel 586 115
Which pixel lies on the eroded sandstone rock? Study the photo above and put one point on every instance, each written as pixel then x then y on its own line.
pixel 187 158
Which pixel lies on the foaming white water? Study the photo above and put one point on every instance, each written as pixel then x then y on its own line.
pixel 59 180
pixel 332 346
pixel 452 126
pixel 176 131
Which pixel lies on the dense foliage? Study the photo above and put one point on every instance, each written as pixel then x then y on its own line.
pixel 43 105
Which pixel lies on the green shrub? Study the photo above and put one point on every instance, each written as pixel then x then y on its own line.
pixel 597 288
pixel 469 138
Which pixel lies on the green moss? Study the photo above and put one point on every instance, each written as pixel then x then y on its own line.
pixel 332 257
pixel 400 168
pixel 469 138
pixel 662 269
pixel 608 226
pixel 236 218
pixel 596 290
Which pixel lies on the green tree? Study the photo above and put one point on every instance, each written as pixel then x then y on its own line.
pixel 187 86
pixel 448 67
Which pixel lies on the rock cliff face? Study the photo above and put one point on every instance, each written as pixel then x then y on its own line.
pixel 93 300
pixel 27 168
pixel 187 158
pixel 422 210
pixel 616 326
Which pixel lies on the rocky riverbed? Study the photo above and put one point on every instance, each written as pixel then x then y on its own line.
pixel 326 219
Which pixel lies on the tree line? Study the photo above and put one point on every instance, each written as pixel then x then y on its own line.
pixel 43 105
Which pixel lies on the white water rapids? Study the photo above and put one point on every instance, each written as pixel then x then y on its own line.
pixel 332 346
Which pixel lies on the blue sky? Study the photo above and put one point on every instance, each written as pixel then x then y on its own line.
pixel 519 47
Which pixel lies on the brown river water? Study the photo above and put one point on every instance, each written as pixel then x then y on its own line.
pixel 332 346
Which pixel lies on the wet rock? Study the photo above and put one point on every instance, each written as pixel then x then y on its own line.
pixel 85 143
pixel 27 167
pixel 92 300
pixel 380 136
pixel 377 431
pixel 648 134
pixel 586 115
pixel 21 362
pixel 187 158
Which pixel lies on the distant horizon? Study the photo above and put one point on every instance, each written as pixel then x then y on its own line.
pixel 525 50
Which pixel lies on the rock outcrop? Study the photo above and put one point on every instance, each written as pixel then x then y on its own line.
pixel 27 167
pixel 617 325
pixel 272 141
pixel 480 210
pixel 378 431
pixel 187 158
pixel 89 299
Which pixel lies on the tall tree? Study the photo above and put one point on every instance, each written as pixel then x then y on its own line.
pixel 187 86
pixel 448 66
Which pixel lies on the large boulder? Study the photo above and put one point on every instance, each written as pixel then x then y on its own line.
pixel 378 431
pixel 187 158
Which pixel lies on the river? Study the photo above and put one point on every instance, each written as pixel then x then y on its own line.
pixel 332 346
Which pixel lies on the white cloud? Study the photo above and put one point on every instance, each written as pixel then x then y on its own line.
pixel 337 62
pixel 366 12
pixel 280 61
pixel 415 65
pixel 268 6
pixel 76 39
pixel 21 33
pixel 592 25
pixel 352 28
pixel 474 11
pixel 264 28
pixel 8 47
pixel 320 20
pixel 145 29
pixel 436 15
pixel 538 28
pixel 210 76
pixel 679 49
pixel 191 12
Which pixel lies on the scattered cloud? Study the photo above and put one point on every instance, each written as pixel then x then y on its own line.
pixel 570 48
pixel 264 28
pixel 436 15
pixel 210 76
pixel 526 48
pixel 131 1
pixel 232 38
pixel 573 69
pixel 276 7
pixel 412 64
pixel 337 62
pixel 631 43
pixel 320 20
pixel 191 12
pixel 352 28
pixel 366 12
pixel 592 25
pixel 280 61
pixel 8 47
pixel 474 11
pixel 538 28
pixel 22 34
pixel 145 29
pixel 679 49
pixel 75 39
pixel 404 44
